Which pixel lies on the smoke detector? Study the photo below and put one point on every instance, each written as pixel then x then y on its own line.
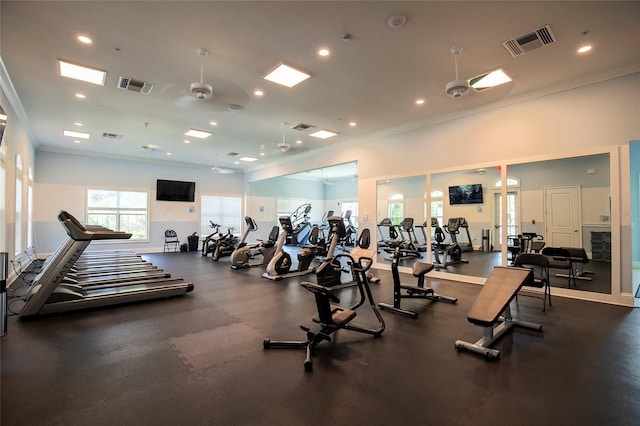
pixel 396 21
pixel 457 87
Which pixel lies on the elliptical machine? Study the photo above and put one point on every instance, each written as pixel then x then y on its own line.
pixel 224 245
pixel 245 254
pixel 451 251
pixel 280 265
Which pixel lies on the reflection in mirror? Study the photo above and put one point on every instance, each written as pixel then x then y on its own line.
pixel 465 217
pixel 401 216
pixel 565 203
pixel 332 188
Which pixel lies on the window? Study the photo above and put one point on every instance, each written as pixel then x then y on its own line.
pixel 30 209
pixel 18 221
pixel 511 181
pixel 224 211
pixel 125 211
pixel 395 208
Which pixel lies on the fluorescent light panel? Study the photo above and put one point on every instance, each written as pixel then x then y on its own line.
pixel 286 75
pixel 248 159
pixel 200 134
pixel 491 79
pixel 82 73
pixel 75 134
pixel 323 134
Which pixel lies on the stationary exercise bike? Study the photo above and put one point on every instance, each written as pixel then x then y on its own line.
pixel 406 291
pixel 332 317
pixel 246 255
pixel 280 265
pixel 451 251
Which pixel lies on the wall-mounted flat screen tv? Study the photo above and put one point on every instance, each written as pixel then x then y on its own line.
pixel 465 194
pixel 175 190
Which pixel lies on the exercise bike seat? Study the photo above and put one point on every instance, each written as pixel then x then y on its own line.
pixel 421 268
pixel 328 314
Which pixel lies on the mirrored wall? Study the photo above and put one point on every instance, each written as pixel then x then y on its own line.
pixel 558 203
pixel 331 188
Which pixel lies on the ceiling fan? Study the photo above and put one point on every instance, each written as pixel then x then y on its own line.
pixel 220 170
pixel 456 88
pixel 459 87
pixel 284 146
pixel 145 146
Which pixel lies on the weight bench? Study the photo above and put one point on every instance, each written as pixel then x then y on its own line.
pixel 491 310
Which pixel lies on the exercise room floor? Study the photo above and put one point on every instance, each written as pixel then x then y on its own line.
pixel 198 360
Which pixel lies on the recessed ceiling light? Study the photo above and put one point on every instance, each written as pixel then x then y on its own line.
pixel 80 96
pixel 584 48
pixel 236 162
pixel 353 124
pixel 76 141
pixel 84 39
pixel 168 153
pixel 324 52
pixel 258 92
pixel 323 134
pixel 286 75
pixel 200 134
pixel 77 123
pixel 249 159
pixel 75 134
pixel 299 142
pixel 82 73
pixel 213 123
pixel 420 101
pixel 187 141
pixel 490 79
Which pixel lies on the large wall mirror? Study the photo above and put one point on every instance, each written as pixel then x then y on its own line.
pixel 332 188
pixel 566 203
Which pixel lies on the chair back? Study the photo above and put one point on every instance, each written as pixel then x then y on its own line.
pixel 170 233
pixel 365 238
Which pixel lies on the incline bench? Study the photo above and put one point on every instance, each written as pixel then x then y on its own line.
pixel 491 310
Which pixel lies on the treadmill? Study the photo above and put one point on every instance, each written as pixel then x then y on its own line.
pixel 47 296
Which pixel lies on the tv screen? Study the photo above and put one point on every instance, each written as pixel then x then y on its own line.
pixel 465 194
pixel 175 190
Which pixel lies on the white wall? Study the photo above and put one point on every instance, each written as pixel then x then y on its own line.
pixel 62 181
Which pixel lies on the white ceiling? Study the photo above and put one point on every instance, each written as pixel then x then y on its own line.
pixel 373 79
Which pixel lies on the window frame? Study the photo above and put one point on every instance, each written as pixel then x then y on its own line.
pixel 120 211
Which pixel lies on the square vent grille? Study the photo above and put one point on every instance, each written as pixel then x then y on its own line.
pixel 525 43
pixel 132 85
pixel 108 135
pixel 302 127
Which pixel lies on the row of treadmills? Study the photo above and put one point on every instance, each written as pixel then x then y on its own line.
pixel 72 279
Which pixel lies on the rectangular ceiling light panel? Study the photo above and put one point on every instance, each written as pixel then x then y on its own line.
pixel 248 159
pixel 323 134
pixel 490 79
pixel 82 73
pixel 75 134
pixel 286 75
pixel 200 134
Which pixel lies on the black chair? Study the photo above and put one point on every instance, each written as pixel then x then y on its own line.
pixel 515 246
pixel 539 264
pixel 171 239
pixel 560 258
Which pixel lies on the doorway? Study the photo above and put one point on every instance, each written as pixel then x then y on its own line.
pixel 562 214
pixel 513 217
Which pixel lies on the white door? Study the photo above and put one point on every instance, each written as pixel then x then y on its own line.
pixel 513 217
pixel 563 221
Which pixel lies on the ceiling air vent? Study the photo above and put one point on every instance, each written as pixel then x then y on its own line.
pixel 528 42
pixel 302 127
pixel 108 135
pixel 138 86
pixel 233 154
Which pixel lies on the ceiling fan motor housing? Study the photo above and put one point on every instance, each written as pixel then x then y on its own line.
pixel 457 88
pixel 201 90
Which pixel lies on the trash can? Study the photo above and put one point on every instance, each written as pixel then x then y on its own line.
pixel 485 240
pixel 193 242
